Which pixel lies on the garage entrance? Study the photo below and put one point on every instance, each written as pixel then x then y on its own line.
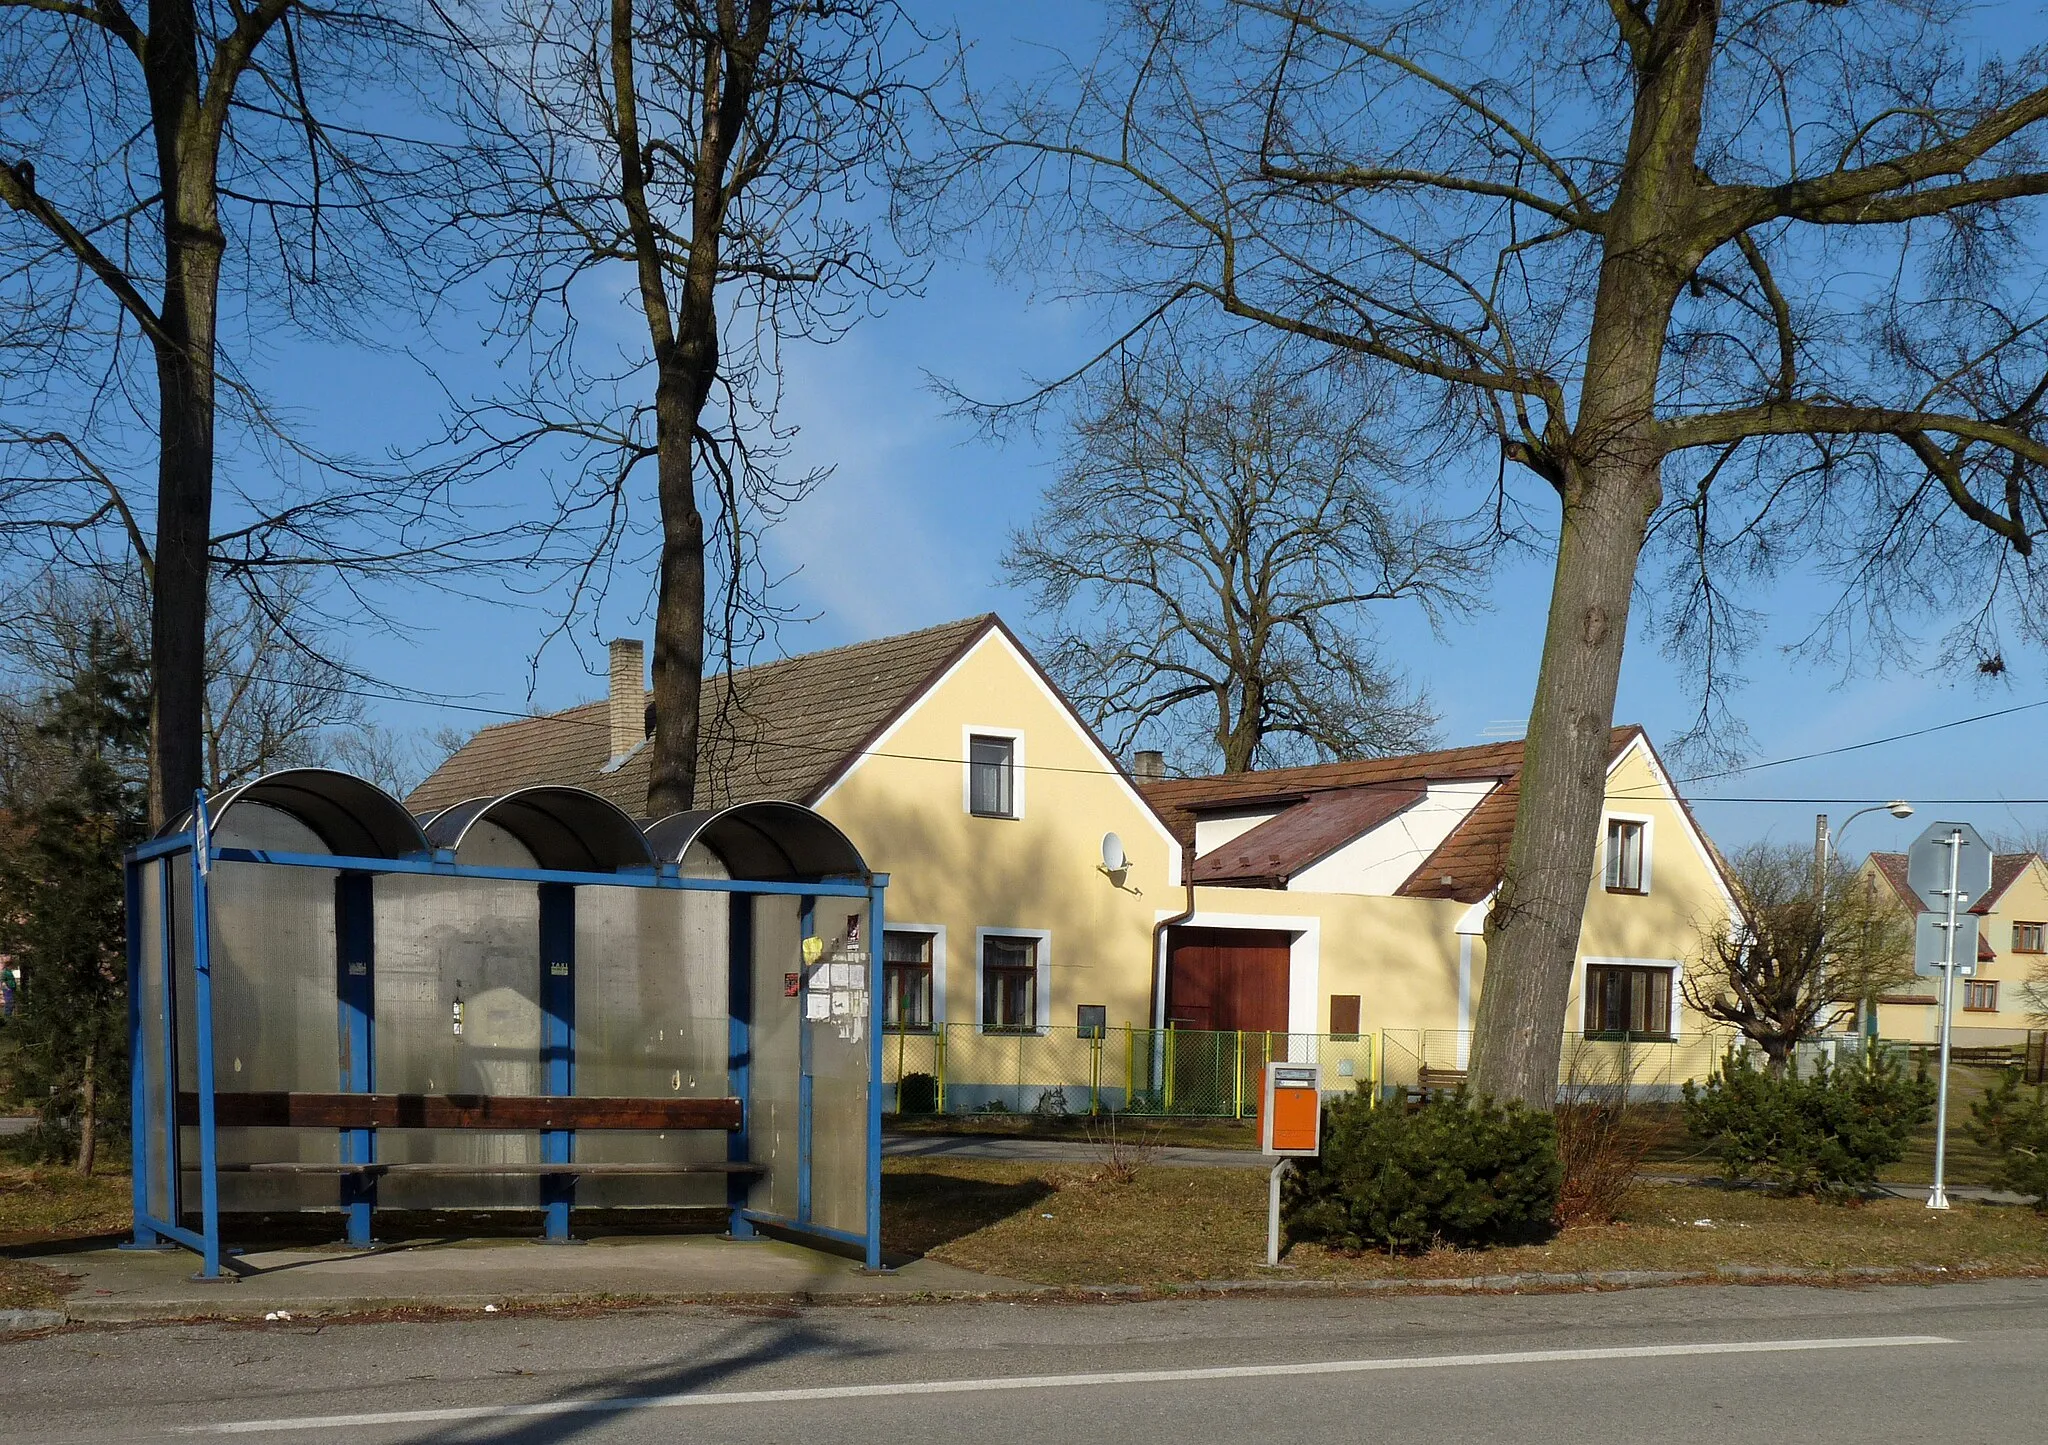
pixel 1226 1004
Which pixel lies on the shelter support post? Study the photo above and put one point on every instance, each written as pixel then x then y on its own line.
pixel 739 1062
pixel 355 994
pixel 807 928
pixel 138 1071
pixel 557 1046
pixel 876 936
pixel 202 1019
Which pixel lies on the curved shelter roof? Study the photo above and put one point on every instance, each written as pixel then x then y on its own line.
pixel 764 842
pixel 565 829
pixel 352 817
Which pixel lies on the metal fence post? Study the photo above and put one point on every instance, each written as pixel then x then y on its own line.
pixel 1166 1082
pixel 939 1064
pixel 1130 1068
pixel 1237 1075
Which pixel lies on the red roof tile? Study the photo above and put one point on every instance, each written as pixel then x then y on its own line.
pixel 1304 833
pixel 2006 869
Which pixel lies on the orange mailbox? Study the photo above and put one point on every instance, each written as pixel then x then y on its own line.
pixel 1291 1110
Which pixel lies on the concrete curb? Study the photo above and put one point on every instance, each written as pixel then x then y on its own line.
pixel 212 1308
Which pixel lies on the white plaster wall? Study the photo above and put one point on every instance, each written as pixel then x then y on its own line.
pixel 1214 831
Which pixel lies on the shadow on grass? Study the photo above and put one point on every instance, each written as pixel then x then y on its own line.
pixel 923 1209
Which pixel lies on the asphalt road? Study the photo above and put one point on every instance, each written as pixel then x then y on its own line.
pixel 1959 1363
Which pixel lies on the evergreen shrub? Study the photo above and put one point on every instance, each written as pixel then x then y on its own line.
pixel 2014 1126
pixel 1452 1170
pixel 1826 1131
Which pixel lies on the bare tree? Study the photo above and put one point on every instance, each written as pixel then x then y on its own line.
pixel 1792 963
pixel 718 158
pixel 150 163
pixel 1206 561
pixel 1762 277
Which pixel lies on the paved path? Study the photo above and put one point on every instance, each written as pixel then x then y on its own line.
pixel 1755 1366
pixel 117 1285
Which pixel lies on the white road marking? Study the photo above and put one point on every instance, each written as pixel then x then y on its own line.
pixel 685 1399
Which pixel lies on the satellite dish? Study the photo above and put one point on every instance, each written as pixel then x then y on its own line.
pixel 1114 860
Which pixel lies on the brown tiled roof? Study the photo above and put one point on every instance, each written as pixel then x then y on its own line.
pixel 782 729
pixel 1472 858
pixel 2006 869
pixel 1268 855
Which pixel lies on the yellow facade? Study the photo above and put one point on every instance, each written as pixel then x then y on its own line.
pixel 1038 875
pixel 1913 1012
pixel 1416 964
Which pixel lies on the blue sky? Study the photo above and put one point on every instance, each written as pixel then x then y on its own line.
pixel 910 526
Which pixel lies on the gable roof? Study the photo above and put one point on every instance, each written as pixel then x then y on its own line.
pixel 2006 869
pixel 1466 866
pixel 783 729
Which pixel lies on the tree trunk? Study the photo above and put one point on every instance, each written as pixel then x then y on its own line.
pixel 193 245
pixel 1610 486
pixel 88 1111
pixel 1532 932
pixel 679 606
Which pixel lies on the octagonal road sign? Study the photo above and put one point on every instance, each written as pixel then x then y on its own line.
pixel 1927 865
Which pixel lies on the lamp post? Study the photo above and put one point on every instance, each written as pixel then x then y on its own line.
pixel 1823 843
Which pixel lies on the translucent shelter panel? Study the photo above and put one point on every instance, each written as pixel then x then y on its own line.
pixel 440 942
pixel 184 1020
pixel 153 1003
pixel 275 1015
pixel 775 1071
pixel 652 974
pixel 839 1064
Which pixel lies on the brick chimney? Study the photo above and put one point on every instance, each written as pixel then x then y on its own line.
pixel 627 706
pixel 1148 765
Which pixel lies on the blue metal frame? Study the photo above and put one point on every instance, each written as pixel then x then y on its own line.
pixel 739 1055
pixel 557 1046
pixel 877 921
pixel 355 991
pixel 138 1076
pixel 355 930
pixel 806 929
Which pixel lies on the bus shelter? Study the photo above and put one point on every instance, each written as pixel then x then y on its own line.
pixel 527 1001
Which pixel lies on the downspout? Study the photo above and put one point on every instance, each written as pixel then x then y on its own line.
pixel 1157 963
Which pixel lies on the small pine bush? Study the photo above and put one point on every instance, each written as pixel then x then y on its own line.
pixel 1825 1131
pixel 2014 1126
pixel 1453 1171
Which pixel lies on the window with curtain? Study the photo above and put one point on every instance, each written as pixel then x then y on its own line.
pixel 1628 1001
pixel 1009 985
pixel 991 776
pixel 1624 856
pixel 906 980
pixel 2030 938
pixel 1980 995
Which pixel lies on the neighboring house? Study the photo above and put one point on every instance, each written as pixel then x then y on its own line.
pixel 1333 900
pixel 955 766
pixel 2012 939
pixel 1358 891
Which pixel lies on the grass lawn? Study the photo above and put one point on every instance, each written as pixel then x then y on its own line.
pixel 39 1205
pixel 1066 1224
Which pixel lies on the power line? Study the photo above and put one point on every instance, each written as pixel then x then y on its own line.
pixel 1870 743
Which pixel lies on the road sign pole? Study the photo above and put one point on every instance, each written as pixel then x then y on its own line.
pixel 1937 1198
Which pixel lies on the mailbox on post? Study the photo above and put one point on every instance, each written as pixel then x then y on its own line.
pixel 1291 1110
pixel 1290 1125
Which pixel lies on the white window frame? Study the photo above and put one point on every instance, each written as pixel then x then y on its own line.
pixel 1015 738
pixel 937 933
pixel 1649 827
pixel 1042 988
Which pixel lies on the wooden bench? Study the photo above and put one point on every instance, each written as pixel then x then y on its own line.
pixel 1438 1081
pixel 281 1110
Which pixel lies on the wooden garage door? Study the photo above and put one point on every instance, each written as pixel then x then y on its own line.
pixel 1227 978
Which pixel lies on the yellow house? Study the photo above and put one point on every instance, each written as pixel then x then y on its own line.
pixel 1063 934
pixel 2012 943
pixel 1353 894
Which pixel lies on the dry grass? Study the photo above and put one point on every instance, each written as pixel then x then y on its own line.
pixel 42 1206
pixel 1070 1225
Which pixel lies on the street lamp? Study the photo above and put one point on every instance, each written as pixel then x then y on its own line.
pixel 1823 842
